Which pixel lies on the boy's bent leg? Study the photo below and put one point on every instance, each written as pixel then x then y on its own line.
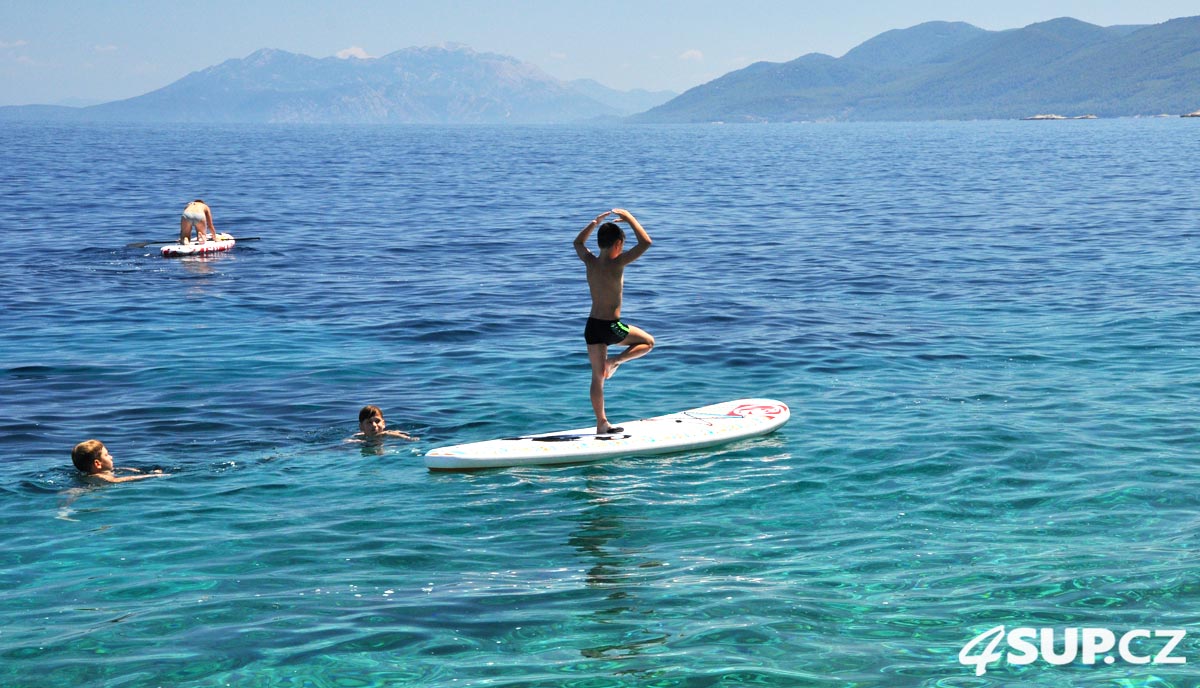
pixel 637 343
pixel 185 231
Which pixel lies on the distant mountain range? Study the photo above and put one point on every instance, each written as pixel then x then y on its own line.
pixel 943 70
pixel 625 102
pixel 443 84
pixel 937 70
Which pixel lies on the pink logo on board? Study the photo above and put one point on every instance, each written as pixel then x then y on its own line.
pixel 768 410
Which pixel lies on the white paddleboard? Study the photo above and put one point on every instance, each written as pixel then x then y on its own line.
pixel 696 428
pixel 196 249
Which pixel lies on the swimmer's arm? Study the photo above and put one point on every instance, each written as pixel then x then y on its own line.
pixel 642 236
pixel 142 476
pixel 127 469
pixel 398 433
pixel 211 227
pixel 146 474
pixel 110 478
pixel 581 248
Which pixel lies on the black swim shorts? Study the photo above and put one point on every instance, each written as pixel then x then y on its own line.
pixel 605 331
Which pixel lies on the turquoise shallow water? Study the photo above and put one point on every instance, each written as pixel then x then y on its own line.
pixel 986 332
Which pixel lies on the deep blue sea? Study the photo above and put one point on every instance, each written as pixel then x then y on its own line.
pixel 988 332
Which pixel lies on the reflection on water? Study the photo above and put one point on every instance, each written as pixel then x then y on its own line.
pixel 613 569
pixel 992 368
pixel 202 266
pixel 205 263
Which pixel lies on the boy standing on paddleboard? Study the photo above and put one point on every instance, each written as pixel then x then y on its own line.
pixel 606 280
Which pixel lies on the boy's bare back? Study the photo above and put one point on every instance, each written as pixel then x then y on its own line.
pixel 606 281
pixel 606 272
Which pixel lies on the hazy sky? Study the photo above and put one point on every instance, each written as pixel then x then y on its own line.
pixel 86 51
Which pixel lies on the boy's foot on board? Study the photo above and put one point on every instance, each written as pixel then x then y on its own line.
pixel 610 430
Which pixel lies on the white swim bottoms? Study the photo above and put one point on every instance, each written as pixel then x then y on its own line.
pixel 195 213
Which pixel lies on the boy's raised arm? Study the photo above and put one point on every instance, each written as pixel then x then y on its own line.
pixel 642 237
pixel 581 240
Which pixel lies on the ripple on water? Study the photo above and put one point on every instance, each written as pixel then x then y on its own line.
pixel 989 365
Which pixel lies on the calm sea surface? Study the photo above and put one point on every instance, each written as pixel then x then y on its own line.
pixel 987 332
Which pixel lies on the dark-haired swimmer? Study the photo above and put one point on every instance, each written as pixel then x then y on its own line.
pixel 371 425
pixel 606 281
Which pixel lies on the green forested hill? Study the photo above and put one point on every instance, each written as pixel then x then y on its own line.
pixel 943 70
